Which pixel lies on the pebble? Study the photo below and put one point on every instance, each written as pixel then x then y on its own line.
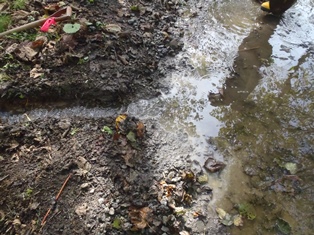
pixel 84 186
pixel 106 209
pixel 101 200
pixel 111 211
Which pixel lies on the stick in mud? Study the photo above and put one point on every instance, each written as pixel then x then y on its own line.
pixel 53 207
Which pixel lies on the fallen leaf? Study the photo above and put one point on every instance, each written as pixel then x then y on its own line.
pixel 140 129
pixel 71 28
pixel 131 136
pixel 39 42
pixel 212 165
pixel 107 130
pixel 292 167
pixel 116 223
pixel 116 136
pixel 228 221
pixel 119 120
pixel 283 226
pixel 247 210
pixel 221 213
pixel 36 72
pixel 25 52
pixel 139 217
pixel 237 220
pixel 113 28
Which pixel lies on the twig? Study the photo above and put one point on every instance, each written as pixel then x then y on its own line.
pixel 65 182
pixel 4 177
pixel 55 201
pixel 28 118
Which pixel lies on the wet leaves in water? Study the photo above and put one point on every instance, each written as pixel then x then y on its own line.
pixel 188 176
pixel 139 217
pixel 237 220
pixel 221 213
pixel 227 219
pixel 283 226
pixel 291 167
pixel 247 210
pixel 212 165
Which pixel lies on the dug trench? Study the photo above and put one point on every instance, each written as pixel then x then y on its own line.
pixel 117 184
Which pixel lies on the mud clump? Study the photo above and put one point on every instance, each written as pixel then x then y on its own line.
pixel 113 58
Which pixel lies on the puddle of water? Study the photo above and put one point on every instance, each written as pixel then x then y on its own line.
pixel 259 122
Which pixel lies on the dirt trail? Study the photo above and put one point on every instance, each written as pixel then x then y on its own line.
pixel 119 185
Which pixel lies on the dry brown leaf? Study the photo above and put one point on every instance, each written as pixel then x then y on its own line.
pixel 140 129
pixel 139 217
pixel 36 72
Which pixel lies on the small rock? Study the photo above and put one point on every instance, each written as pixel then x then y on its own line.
pixel 106 210
pixel 81 210
pixel 101 200
pixel 176 179
pixel 84 186
pixel 111 211
pixel 156 223
pixel 184 233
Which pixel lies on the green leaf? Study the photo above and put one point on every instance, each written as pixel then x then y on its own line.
pixel 135 8
pixel 247 210
pixel 116 223
pixel 283 226
pixel 292 167
pixel 107 130
pixel 71 28
pixel 131 136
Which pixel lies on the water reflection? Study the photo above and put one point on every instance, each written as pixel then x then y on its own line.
pixel 267 111
pixel 254 51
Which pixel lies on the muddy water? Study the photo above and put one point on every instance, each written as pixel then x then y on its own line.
pixel 259 71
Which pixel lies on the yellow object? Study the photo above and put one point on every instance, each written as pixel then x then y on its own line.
pixel 265 6
pixel 119 120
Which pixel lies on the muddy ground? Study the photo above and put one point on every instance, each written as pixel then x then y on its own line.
pixel 115 183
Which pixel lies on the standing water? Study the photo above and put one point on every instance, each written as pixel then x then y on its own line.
pixel 258 70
